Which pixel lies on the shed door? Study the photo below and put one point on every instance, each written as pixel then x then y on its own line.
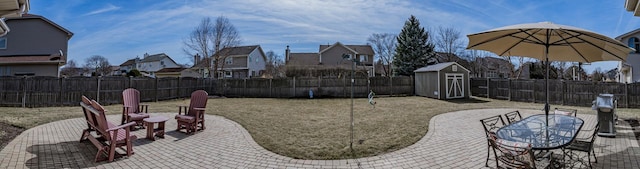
pixel 455 87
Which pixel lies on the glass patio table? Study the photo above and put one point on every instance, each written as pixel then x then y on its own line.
pixel 559 131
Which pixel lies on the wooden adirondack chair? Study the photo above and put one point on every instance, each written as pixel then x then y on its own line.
pixel 90 119
pixel 132 110
pixel 109 136
pixel 193 117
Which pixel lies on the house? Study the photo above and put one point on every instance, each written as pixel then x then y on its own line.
pixel 238 62
pixel 129 65
pixel 11 8
pixel 35 46
pixel 632 6
pixel 332 57
pixel 491 67
pixel 149 64
pixel 169 72
pixel 629 71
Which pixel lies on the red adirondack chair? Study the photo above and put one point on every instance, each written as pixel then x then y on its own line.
pixel 108 136
pixel 193 117
pixel 132 110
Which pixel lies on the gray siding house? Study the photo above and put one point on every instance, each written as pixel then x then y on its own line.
pixel 330 57
pixel 35 46
pixel 629 71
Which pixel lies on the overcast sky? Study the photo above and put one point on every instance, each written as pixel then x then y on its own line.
pixel 124 29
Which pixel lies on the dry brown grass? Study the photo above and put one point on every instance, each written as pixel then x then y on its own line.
pixel 313 128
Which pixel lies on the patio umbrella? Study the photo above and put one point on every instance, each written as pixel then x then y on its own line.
pixel 549 42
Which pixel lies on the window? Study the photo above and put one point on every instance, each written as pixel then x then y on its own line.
pixel 228 60
pixel 3 43
pixel 364 58
pixel 634 43
pixel 162 63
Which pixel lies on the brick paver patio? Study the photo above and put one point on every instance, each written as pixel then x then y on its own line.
pixel 454 140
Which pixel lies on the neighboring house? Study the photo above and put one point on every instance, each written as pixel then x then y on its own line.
pixel 115 71
pixel 239 62
pixel 129 65
pixel 629 71
pixel 382 69
pixel 35 46
pixel 331 57
pixel 491 67
pixel 169 72
pixel 149 64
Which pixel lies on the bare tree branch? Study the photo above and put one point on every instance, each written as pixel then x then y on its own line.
pixel 99 64
pixel 198 41
pixel 209 38
pixel 384 46
pixel 223 35
pixel 448 40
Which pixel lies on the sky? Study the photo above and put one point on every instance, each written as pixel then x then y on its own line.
pixel 124 29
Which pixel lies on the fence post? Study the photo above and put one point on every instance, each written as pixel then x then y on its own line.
pixel 626 94
pixel 130 82
pixel 270 88
pixel 24 91
pixel 60 80
pixel 98 91
pixel 509 89
pixel 391 85
pixel 413 84
pixel 344 86
pixel 156 90
pixel 294 87
pixel 533 93
pixel 178 88
pixel 244 88
pixel 487 87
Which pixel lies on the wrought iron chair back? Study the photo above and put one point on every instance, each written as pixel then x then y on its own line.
pixel 513 154
pixel 491 125
pixel 566 112
pixel 513 116
pixel 585 145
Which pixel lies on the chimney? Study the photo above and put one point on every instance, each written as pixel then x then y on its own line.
pixel 286 54
pixel 196 59
pixel 146 55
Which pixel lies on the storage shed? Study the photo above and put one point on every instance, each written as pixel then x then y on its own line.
pixel 443 81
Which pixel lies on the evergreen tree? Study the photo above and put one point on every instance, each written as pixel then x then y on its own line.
pixel 413 49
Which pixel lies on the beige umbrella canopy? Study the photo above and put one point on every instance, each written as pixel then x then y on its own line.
pixel 548 41
pixel 564 43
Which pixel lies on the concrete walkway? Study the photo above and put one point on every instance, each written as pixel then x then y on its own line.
pixel 454 140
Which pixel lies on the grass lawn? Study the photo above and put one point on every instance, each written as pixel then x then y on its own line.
pixel 313 128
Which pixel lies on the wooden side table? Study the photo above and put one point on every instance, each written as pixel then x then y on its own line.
pixel 151 131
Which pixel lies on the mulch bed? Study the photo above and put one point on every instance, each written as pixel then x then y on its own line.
pixel 8 133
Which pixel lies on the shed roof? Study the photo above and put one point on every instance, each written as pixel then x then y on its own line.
pixel 438 67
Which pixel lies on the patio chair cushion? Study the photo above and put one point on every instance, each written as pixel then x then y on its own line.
pixel 185 118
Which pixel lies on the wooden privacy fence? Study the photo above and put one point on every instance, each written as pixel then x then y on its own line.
pixel 51 91
pixel 574 93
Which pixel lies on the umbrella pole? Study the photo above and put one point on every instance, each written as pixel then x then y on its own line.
pixel 546 83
